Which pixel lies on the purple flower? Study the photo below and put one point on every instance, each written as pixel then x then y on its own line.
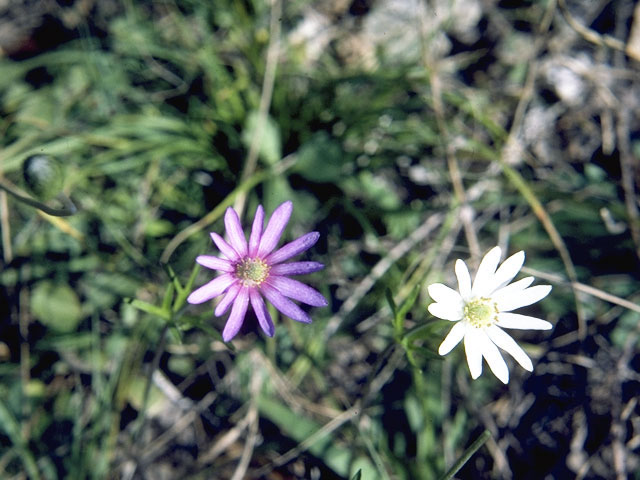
pixel 251 271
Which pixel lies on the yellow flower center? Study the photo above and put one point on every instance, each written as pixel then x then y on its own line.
pixel 481 312
pixel 252 272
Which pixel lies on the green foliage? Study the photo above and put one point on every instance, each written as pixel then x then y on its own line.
pixel 56 305
pixel 43 175
pixel 320 159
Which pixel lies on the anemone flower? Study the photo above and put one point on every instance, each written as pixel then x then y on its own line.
pixel 251 271
pixel 482 311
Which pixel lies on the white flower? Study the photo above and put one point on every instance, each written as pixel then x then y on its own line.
pixel 482 309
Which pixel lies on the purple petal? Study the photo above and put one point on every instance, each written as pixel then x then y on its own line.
pixel 283 304
pixel 274 229
pixel 234 232
pixel 215 263
pixel 237 315
pixel 292 249
pixel 298 291
pixel 212 289
pixel 296 268
pixel 259 307
pixel 256 231
pixel 226 249
pixel 228 299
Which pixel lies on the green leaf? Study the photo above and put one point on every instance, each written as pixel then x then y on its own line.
pixel 159 228
pixel 320 159
pixel 183 292
pixel 155 402
pixel 425 352
pixel 43 176
pixel 392 304
pixel 409 302
pixel 186 322
pixel 270 142
pixel 424 331
pixel 168 297
pixel 151 309
pixel 357 475
pixel 56 305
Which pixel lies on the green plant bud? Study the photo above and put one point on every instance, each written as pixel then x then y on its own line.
pixel 43 176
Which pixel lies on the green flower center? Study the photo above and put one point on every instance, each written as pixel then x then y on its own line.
pixel 481 312
pixel 252 271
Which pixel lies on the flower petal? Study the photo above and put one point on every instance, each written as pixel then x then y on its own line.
pixel 212 289
pixel 473 351
pixel 508 270
pixel 503 340
pixel 275 227
pixel 483 282
pixel 297 290
pixel 508 292
pixel 296 268
pixel 464 279
pixel 522 322
pixel 256 231
pixel 292 249
pixel 226 249
pixel 446 311
pixel 283 304
pixel 215 263
pixel 236 318
pixel 260 309
pixel 443 294
pixel 523 298
pixel 234 232
pixel 452 339
pixel 228 299
pixel 491 353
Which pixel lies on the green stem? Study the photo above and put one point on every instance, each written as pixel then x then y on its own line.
pixel 467 455
pixel 68 210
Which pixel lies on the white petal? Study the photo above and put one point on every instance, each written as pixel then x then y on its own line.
pixel 473 350
pixel 491 353
pixel 452 339
pixel 464 279
pixel 445 311
pixel 523 298
pixel 505 342
pixel 508 270
pixel 511 290
pixel 443 294
pixel 483 283
pixel 522 322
